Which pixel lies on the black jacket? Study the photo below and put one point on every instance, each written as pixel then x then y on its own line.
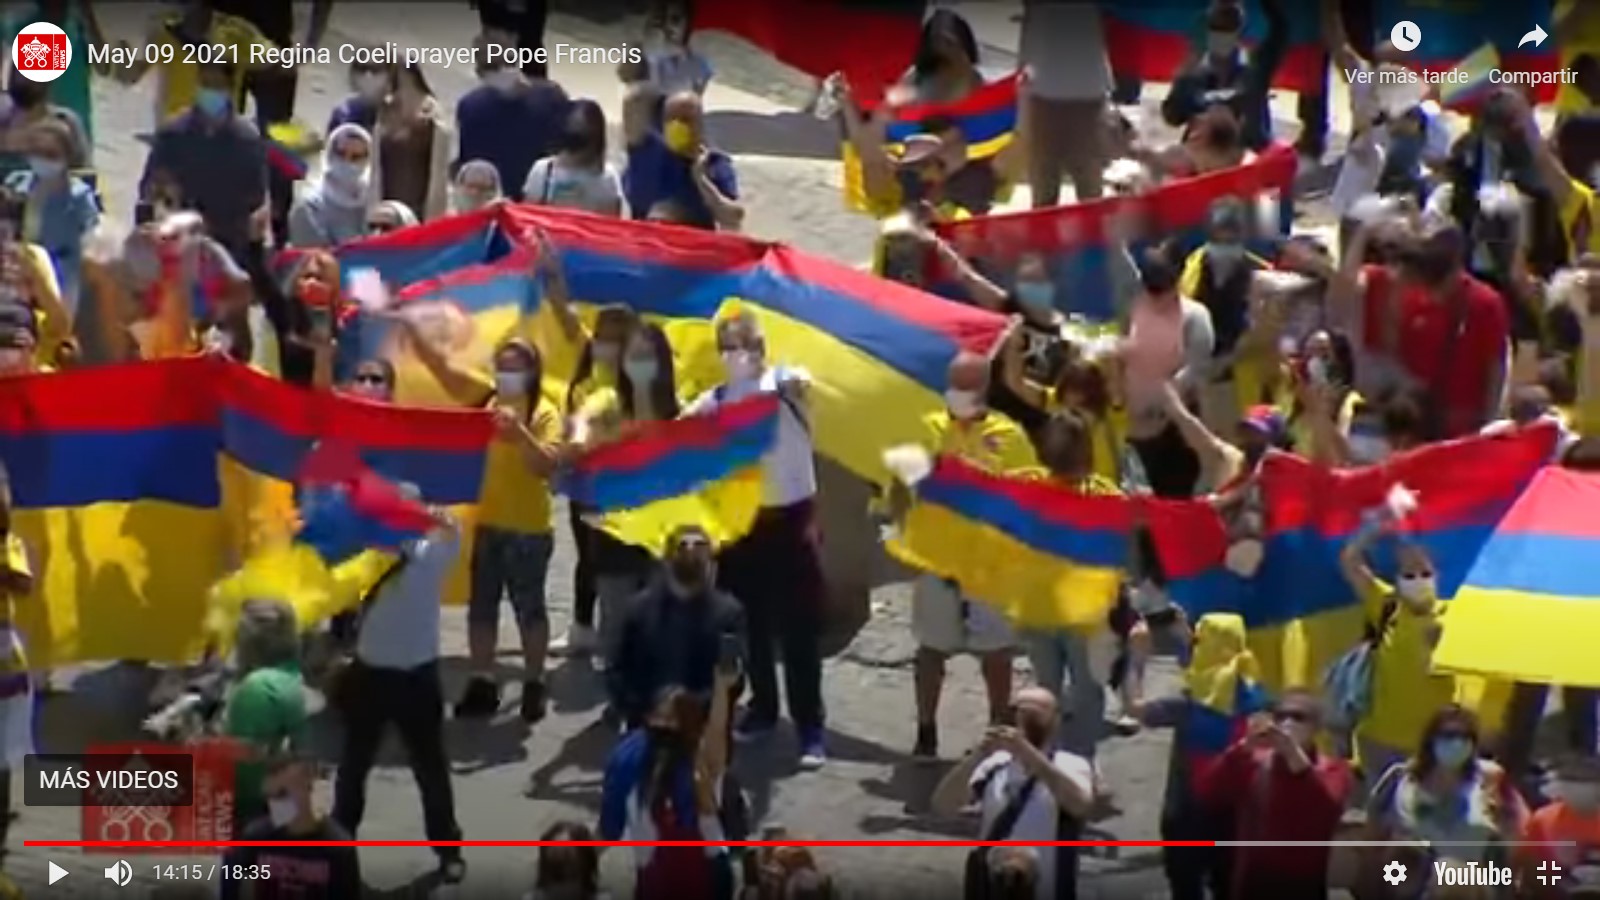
pixel 1247 82
pixel 667 640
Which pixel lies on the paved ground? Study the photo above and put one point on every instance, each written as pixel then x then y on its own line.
pixel 869 790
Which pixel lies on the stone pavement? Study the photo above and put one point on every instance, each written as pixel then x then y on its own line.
pixel 869 790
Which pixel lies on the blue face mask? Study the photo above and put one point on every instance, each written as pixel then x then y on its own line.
pixel 1036 296
pixel 213 103
pixel 642 370
pixel 1452 752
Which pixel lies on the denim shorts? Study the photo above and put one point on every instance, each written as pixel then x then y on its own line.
pixel 511 564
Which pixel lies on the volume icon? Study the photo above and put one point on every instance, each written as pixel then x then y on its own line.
pixel 121 873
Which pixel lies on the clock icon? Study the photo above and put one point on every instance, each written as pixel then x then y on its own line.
pixel 1405 36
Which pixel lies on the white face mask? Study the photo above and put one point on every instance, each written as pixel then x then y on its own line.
pixel 741 365
pixel 1317 370
pixel 371 86
pixel 1417 588
pixel 510 384
pixel 964 404
pixel 282 811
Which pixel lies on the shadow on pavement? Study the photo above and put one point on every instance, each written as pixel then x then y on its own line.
pixel 790 134
pixel 575 686
pixel 586 752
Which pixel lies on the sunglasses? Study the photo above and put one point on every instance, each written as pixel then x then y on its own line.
pixel 370 378
pixel 693 543
pixel 380 227
pixel 1291 715
pixel 1426 573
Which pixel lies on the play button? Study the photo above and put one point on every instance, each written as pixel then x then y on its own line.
pixel 56 873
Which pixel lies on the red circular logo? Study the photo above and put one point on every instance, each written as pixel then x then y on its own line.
pixel 41 52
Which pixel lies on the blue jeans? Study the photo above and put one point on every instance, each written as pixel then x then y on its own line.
pixel 1057 658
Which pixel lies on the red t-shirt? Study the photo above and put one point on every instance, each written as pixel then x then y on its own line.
pixel 1457 377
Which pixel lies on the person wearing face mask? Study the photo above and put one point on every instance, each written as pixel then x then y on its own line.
pixel 476 186
pixel 219 162
pixel 369 87
pixel 943 621
pixel 266 709
pixel 645 391
pixel 1243 77
pixel 775 569
pixel 1446 799
pixel 510 119
pixel 578 177
pixel 1323 410
pixel 665 782
pixel 1277 786
pixel 307 864
pixel 673 65
pixel 60 209
pixel 415 137
pixel 389 215
pixel 31 107
pixel 513 541
pixel 1027 791
pixel 1403 623
pixel 1219 275
pixel 333 209
pixel 679 163
pixel 1565 833
pixel 676 631
pixel 181 80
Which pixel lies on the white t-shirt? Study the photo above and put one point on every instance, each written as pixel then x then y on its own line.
pixel 1064 48
pixel 551 183
pixel 789 471
pixel 996 781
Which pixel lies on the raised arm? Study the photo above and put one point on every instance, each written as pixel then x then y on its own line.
pixel 981 290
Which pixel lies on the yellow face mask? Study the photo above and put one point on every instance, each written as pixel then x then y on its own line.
pixel 680 137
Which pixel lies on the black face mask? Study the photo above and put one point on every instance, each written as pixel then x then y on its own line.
pixel 665 737
pixel 689 572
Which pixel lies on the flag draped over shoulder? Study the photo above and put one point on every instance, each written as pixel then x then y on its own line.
pixel 1457 30
pixel 878 351
pixel 1153 39
pixel 870 41
pixel 702 470
pixel 137 487
pixel 1045 555
pixel 1077 240
pixel 986 118
pixel 1301 612
pixel 1529 607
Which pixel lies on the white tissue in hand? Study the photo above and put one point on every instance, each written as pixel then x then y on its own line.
pixel 908 462
pixel 367 288
pixel 1401 501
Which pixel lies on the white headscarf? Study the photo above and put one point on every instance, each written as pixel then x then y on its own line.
pixel 342 184
pixel 459 202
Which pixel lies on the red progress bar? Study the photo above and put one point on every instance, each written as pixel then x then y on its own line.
pixel 174 845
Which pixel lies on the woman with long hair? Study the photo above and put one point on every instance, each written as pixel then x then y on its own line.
pixel 578 177
pixel 415 140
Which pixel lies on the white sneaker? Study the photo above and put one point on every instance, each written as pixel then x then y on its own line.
pixel 578 641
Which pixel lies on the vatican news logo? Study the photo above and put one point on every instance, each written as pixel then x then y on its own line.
pixel 41 52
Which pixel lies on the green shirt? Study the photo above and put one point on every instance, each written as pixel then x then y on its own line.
pixel 267 710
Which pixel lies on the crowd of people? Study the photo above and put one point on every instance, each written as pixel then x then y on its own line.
pixel 1461 295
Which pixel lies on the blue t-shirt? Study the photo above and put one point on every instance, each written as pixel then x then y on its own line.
pixel 655 174
pixel 512 130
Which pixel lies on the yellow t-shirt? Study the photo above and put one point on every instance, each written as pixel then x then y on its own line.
pixel 1578 220
pixel 180 76
pixel 1405 693
pixel 993 443
pixel 1300 430
pixel 514 498
pixel 1107 433
pixel 1584 38
pixel 11 658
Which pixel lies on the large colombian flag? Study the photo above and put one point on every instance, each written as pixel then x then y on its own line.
pixel 878 350
pixel 1045 555
pixel 1076 240
pixel 1152 39
pixel 1456 30
pixel 703 470
pixel 1529 608
pixel 1301 612
pixel 870 41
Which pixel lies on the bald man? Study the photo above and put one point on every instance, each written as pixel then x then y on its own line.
pixel 943 621
pixel 1027 789
pixel 677 164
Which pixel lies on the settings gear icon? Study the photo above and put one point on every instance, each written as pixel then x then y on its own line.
pixel 1394 873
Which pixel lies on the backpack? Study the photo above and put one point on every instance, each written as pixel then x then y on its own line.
pixel 1347 684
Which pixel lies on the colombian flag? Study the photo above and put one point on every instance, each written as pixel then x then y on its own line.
pixel 987 118
pixel 702 470
pixel 115 493
pixel 1045 555
pixel 1529 607
pixel 1301 612
pixel 1076 239
pixel 1152 39
pixel 1455 30
pixel 870 41
pixel 878 350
